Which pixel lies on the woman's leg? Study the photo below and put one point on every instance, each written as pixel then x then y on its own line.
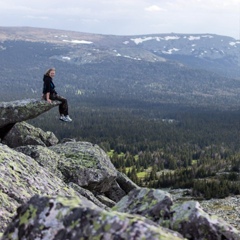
pixel 63 107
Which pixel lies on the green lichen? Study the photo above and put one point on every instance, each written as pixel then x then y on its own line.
pixel 74 202
pixel 29 214
pixel 4 199
pixel 59 216
pixel 96 225
pixel 41 227
pixel 74 224
pixel 107 227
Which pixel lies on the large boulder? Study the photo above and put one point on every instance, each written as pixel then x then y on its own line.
pixel 71 218
pixel 187 218
pixel 86 165
pixel 21 110
pixel 45 157
pixel 21 177
pixel 151 203
pixel 51 160
pixel 22 134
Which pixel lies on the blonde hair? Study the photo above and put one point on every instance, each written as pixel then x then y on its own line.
pixel 48 71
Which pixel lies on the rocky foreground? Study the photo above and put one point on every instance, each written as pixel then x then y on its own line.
pixel 227 208
pixel 71 190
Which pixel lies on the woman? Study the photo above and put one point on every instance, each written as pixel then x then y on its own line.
pixel 50 94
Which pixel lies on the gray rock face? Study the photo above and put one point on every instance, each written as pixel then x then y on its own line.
pixel 115 192
pixel 21 177
pixel 86 165
pixel 70 218
pixel 22 134
pixel 18 111
pixel 89 195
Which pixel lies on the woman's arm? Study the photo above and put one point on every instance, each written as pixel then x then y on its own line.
pixel 48 97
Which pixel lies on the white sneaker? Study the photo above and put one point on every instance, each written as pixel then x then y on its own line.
pixel 68 119
pixel 62 118
pixel 65 118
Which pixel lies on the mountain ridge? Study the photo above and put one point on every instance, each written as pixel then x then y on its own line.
pixel 203 46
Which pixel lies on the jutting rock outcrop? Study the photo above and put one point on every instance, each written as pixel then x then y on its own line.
pixel 71 190
pixel 21 110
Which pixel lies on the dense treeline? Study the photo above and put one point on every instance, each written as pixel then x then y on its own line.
pixel 140 126
pixel 159 145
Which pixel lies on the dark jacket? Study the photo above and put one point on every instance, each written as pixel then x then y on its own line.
pixel 48 85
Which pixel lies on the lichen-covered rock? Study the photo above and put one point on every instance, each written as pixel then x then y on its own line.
pixel 21 177
pixel 87 165
pixel 125 183
pixel 189 219
pixel 21 110
pixel 88 195
pixel 151 203
pixel 22 134
pixel 105 200
pixel 71 218
pixel 44 156
pixel 120 187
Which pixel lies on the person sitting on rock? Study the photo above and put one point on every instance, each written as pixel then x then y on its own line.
pixel 50 94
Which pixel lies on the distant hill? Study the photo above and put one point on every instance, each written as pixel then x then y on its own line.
pixel 190 69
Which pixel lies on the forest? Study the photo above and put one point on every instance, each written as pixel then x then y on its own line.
pixel 159 145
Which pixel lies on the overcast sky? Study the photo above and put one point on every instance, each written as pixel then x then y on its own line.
pixel 126 17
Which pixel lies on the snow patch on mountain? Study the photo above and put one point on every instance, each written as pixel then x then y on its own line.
pixel 170 51
pixel 66 58
pixel 134 58
pixel 191 38
pixel 78 41
pixel 141 40
pixel 234 43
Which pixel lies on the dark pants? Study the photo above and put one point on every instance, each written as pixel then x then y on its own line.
pixel 63 107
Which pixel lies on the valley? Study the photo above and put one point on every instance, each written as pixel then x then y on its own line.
pixel 122 90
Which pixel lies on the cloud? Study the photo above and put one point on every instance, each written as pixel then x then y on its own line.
pixel 154 8
pixel 37 17
pixel 125 16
